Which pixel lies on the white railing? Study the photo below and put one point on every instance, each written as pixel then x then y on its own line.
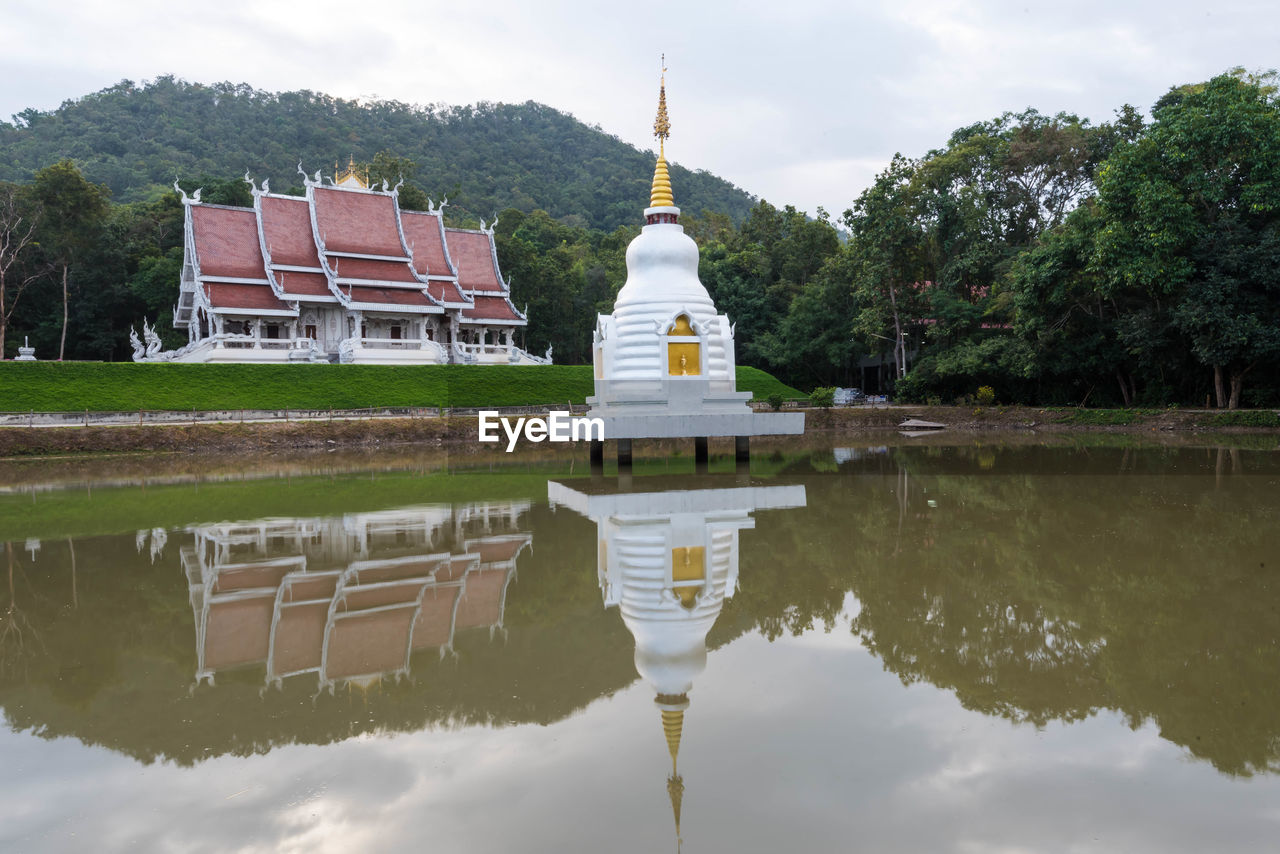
pixel 236 341
pixel 393 343
pixel 232 341
pixel 348 347
pixel 483 349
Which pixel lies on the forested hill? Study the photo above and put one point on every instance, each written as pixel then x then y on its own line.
pixel 485 158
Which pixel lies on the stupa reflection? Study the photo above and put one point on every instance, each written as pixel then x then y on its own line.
pixel 348 598
pixel 667 557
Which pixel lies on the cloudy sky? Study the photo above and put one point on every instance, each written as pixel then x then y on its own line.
pixel 799 102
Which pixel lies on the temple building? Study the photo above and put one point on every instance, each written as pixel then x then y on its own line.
pixel 667 558
pixel 339 274
pixel 348 600
pixel 664 358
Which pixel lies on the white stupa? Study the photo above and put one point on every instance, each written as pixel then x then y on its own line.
pixel 668 559
pixel 664 359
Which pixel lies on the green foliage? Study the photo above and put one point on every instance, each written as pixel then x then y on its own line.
pixel 485 158
pixel 771 278
pixel 1192 228
pixel 1063 263
pixel 986 396
pixel 914 387
pixel 125 387
pixel 823 396
pixel 775 401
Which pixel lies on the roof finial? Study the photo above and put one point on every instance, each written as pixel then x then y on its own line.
pixel 349 177
pixel 661 125
pixel 660 195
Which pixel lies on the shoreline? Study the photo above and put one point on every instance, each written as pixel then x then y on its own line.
pixel 457 433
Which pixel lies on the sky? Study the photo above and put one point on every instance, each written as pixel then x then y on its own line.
pixel 798 102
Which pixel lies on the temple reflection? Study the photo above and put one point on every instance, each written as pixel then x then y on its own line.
pixel 667 555
pixel 348 598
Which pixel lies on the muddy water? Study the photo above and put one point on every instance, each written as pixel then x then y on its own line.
pixel 884 648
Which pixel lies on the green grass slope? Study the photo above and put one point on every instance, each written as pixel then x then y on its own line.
pixel 118 386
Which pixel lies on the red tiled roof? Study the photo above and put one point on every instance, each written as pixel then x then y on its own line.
pixel 457 568
pixel 422 232
pixel 303 284
pixel 490 308
pixel 365 268
pixel 481 603
pixel 435 619
pixel 446 291
pixel 473 255
pixel 369 643
pixel 351 221
pixel 299 636
pixel 390 296
pixel 286 225
pixel 492 551
pixel 227 242
pixel 228 296
pixel 237 631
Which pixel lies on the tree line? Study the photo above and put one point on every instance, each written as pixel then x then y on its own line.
pixel 136 138
pixel 1050 259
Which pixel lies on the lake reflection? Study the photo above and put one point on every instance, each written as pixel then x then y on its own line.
pixel 911 648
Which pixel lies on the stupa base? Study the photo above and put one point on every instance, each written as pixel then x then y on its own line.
pixel 624 429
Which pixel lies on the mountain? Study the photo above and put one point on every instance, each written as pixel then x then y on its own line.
pixel 485 157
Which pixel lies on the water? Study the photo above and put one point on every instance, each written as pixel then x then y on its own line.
pixel 882 648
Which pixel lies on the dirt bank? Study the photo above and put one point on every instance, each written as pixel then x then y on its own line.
pixel 458 433
pixel 1044 420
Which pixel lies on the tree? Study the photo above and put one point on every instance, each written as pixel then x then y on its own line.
pixel 814 344
pixel 1193 222
pixel 18 223
pixel 1073 332
pixel 74 210
pixel 887 239
pixel 393 169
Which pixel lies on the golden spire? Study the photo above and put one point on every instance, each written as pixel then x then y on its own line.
pixel 672 726
pixel 660 195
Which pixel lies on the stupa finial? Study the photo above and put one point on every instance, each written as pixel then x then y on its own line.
pixel 660 195
pixel 662 125
pixel 672 725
